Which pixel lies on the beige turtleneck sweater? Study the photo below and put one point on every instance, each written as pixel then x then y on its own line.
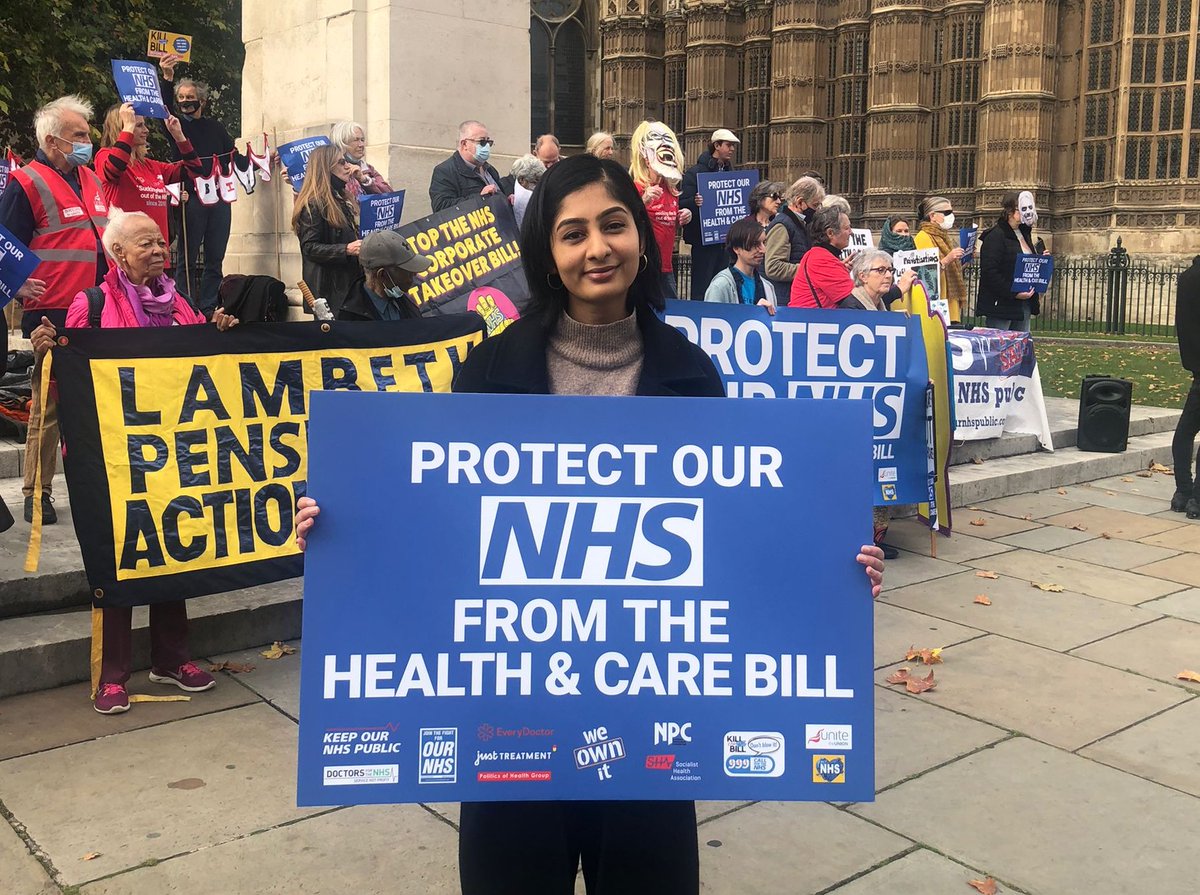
pixel 594 360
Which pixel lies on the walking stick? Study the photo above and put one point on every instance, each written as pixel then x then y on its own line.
pixel 183 200
pixel 275 217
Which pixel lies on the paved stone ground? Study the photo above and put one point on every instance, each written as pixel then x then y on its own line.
pixel 1058 754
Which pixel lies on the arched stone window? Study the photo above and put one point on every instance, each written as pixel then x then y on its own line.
pixel 560 77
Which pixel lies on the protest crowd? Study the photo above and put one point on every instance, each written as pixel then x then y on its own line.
pixel 120 235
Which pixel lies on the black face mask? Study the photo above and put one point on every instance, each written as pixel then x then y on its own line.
pixel 189 108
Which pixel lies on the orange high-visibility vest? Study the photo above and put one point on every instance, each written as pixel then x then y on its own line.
pixel 66 227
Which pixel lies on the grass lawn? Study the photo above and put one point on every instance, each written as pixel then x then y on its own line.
pixel 1158 379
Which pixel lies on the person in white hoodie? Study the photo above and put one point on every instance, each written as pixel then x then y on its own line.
pixel 741 282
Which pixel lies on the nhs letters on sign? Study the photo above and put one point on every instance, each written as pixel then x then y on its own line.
pixel 550 597
pixel 137 83
pixel 815 354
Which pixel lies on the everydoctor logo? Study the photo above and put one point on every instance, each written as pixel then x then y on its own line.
pixel 595 541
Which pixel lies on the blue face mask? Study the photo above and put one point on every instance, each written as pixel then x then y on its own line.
pixel 483 152
pixel 80 154
pixel 393 291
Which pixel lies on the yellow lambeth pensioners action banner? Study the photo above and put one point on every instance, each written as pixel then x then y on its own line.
pixel 187 447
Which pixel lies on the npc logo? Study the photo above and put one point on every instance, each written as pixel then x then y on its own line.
pixel 672 733
pixel 824 737
pixel 438 755
pixel 749 753
pixel 829 769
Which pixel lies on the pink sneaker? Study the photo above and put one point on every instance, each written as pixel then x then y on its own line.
pixel 187 676
pixel 111 699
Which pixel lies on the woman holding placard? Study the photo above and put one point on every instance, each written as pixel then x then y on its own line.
pixel 325 220
pixel 591 260
pixel 999 247
pixel 131 179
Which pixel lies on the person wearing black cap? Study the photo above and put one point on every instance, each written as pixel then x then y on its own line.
pixel 381 293
pixel 707 261
pixel 1187 331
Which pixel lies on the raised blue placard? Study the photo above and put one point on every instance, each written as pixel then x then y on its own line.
pixel 137 83
pixel 6 167
pixel 294 156
pixel 379 211
pixel 546 597
pixel 1032 272
pixel 17 264
pixel 815 353
pixel 725 198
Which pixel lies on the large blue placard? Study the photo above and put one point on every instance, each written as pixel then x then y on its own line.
pixel 379 211
pixel 294 156
pixel 543 597
pixel 725 198
pixel 17 264
pixel 137 83
pixel 827 354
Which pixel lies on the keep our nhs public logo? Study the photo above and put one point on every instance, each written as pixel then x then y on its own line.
pixel 591 541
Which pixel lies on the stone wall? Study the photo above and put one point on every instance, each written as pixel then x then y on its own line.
pixel 408 70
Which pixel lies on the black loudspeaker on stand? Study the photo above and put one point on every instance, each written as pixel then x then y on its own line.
pixel 1104 405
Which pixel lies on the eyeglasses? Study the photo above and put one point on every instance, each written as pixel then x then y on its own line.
pixel 881 269
pixel 486 141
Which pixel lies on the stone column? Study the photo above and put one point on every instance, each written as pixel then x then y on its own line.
pixel 898 120
pixel 714 33
pixel 408 70
pixel 631 68
pixel 799 64
pixel 1018 83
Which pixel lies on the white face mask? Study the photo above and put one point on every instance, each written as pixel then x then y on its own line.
pixel 948 221
pixel 1027 208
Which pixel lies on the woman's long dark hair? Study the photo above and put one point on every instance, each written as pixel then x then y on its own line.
pixel 537 230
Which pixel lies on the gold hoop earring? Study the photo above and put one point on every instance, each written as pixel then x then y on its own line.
pixel 645 263
pixel 551 284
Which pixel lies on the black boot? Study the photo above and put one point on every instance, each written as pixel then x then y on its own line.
pixel 1193 508
pixel 1179 501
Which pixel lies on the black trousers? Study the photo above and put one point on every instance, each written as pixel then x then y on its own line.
pixel 207 226
pixel 1184 442
pixel 707 262
pixel 534 848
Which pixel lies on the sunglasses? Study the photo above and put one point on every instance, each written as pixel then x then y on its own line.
pixel 487 141
pixel 775 197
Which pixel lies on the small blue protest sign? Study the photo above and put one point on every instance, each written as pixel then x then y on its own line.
pixel 967 239
pixel 295 155
pixel 551 597
pixel 137 83
pixel 1033 272
pixel 379 211
pixel 5 170
pixel 725 198
pixel 17 264
pixel 815 354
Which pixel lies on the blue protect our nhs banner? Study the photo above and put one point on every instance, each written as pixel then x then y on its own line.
pixel 874 355
pixel 725 198
pixel 137 84
pixel 543 597
pixel 17 264
pixel 294 156
pixel 379 211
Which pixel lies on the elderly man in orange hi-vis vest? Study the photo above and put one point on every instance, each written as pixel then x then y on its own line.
pixel 55 205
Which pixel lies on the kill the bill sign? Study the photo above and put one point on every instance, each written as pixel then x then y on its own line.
pixel 544 597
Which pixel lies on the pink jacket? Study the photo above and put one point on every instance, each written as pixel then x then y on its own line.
pixel 118 314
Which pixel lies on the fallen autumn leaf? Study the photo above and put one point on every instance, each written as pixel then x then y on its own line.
pixel 91 856
pixel 1186 675
pixel 1052 588
pixel 235 667
pixel 979 522
pixel 983 600
pixel 897 677
pixel 1078 528
pixel 983 574
pixel 927 656
pixel 920 684
pixel 1155 466
pixel 1062 490
pixel 984 886
pixel 277 650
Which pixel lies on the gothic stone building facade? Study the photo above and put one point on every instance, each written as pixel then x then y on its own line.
pixel 1092 104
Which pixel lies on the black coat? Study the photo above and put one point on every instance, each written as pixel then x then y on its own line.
pixel 998 250
pixel 706 164
pixel 1187 316
pixel 454 180
pixel 328 270
pixel 514 362
pixel 357 305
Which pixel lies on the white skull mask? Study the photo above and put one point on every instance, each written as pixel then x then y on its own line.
pixel 1027 208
